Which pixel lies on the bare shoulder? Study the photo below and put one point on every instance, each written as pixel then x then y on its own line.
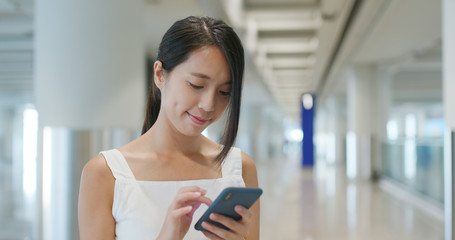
pixel 249 172
pixel 247 162
pixel 97 170
pixel 97 180
pixel 95 201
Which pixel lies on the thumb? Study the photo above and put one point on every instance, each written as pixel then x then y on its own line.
pixel 194 208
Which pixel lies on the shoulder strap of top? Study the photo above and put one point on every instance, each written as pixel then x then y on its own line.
pixel 232 164
pixel 118 165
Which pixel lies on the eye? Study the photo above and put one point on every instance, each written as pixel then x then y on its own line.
pixel 195 86
pixel 225 93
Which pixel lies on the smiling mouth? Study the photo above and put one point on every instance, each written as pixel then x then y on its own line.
pixel 197 120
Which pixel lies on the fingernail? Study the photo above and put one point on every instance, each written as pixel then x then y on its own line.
pixel 239 208
pixel 197 194
pixel 213 216
pixel 205 225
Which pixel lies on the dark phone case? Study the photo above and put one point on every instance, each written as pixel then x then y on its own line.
pixel 225 203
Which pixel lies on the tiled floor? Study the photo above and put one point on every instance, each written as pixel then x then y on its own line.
pixel 321 204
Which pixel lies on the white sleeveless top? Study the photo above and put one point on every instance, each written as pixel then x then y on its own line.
pixel 139 207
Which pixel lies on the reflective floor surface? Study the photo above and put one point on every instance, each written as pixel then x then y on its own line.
pixel 321 204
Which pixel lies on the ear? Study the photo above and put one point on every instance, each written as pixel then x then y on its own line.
pixel 158 74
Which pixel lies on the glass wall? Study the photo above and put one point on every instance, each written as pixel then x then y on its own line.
pixel 414 150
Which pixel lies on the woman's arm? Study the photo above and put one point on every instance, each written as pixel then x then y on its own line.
pixel 250 177
pixel 95 201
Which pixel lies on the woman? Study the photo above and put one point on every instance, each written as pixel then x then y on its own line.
pixel 157 186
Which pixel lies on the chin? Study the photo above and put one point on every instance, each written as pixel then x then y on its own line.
pixel 193 134
pixel 191 131
pixel 194 130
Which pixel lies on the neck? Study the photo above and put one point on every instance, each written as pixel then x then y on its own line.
pixel 167 139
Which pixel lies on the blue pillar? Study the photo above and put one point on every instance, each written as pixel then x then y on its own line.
pixel 307 105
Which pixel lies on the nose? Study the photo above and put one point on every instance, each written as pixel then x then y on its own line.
pixel 207 101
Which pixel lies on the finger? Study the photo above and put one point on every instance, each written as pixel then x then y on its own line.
pixel 244 212
pixel 205 200
pixel 211 236
pixel 203 191
pixel 195 207
pixel 220 232
pixel 235 226
pixel 189 188
pixel 192 189
pixel 182 211
pixel 187 197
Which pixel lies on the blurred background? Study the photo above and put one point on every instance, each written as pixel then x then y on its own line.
pixel 346 109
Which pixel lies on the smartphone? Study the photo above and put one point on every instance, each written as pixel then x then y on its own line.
pixel 225 203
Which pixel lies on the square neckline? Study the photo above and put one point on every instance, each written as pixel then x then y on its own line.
pixel 130 172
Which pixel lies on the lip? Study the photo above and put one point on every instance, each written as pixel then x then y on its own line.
pixel 197 120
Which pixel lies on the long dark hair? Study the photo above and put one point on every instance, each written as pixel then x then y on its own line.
pixel 186 36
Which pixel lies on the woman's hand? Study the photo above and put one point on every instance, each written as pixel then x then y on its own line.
pixel 238 229
pixel 180 212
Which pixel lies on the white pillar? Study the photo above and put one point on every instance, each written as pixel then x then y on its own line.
pixel 381 110
pixel 263 135
pixel 89 63
pixel 250 120
pixel 360 99
pixel 448 61
pixel 335 129
pixel 89 74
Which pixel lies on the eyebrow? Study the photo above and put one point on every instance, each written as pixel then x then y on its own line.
pixel 200 75
pixel 203 76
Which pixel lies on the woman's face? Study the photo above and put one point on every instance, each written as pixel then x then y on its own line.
pixel 196 92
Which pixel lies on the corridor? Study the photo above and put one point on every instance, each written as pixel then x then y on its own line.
pixel 363 88
pixel 321 204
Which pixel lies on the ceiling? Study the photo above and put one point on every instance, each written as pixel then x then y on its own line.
pixel 304 46
pixel 290 43
pixel 400 36
pixel 293 46
pixel 404 28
